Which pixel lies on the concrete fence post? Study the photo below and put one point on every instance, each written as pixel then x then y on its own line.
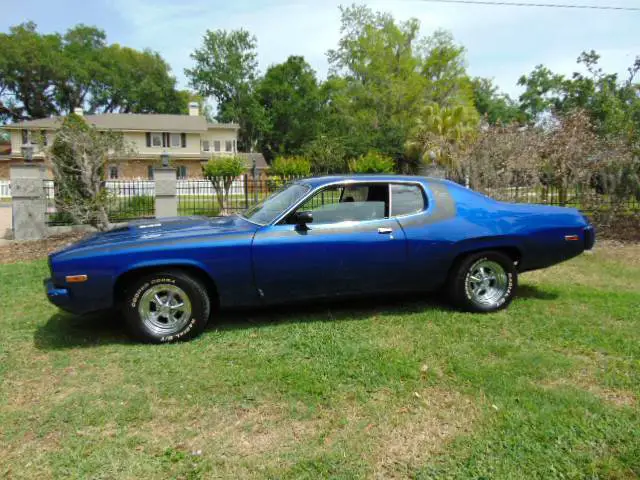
pixel 166 192
pixel 28 201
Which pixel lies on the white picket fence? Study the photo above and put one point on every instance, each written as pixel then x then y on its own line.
pixel 5 189
pixel 134 188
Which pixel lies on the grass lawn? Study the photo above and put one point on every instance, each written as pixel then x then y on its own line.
pixel 386 388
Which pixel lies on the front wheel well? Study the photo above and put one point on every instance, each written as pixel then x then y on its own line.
pixel 127 278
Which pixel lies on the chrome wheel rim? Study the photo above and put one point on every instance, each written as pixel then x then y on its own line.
pixel 487 283
pixel 164 309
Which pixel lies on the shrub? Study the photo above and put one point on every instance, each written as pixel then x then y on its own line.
pixel 78 157
pixel 221 172
pixel 372 162
pixel 223 167
pixel 295 166
pixel 326 155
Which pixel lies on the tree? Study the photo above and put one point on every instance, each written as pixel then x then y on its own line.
pixel 443 66
pixel 327 155
pixel 613 105
pixel 222 172
pixel 29 67
pixel 442 133
pixel 226 69
pixel 504 160
pixel 290 96
pixel 78 157
pixel 51 74
pixel 80 69
pixel 570 153
pixel 372 162
pixel 375 86
pixel 495 107
pixel 136 82
pixel 383 75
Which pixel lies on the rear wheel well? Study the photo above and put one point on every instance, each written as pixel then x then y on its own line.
pixel 127 278
pixel 512 252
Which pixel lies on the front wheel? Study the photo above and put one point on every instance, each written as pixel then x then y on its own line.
pixel 165 307
pixel 483 282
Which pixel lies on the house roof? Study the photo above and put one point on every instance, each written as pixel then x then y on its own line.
pixel 134 121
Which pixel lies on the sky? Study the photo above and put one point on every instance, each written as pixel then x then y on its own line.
pixel 502 42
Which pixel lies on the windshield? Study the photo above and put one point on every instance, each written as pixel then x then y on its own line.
pixel 268 210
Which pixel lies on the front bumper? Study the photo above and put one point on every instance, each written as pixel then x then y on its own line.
pixel 58 296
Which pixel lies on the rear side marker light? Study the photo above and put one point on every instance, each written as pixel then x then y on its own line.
pixel 76 278
pixel 571 238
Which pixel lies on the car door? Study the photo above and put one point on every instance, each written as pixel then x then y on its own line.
pixel 351 247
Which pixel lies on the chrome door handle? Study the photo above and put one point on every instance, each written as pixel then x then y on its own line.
pixel 385 230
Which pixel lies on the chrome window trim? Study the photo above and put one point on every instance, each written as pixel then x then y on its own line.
pixel 425 201
pixel 271 223
pixel 313 191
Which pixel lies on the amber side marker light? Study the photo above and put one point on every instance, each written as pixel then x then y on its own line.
pixel 76 278
pixel 571 238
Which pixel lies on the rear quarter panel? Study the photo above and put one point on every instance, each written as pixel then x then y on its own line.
pixel 459 221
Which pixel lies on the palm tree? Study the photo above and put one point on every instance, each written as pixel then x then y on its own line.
pixel 441 132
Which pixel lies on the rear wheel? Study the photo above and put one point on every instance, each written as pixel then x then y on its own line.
pixel 166 307
pixel 483 282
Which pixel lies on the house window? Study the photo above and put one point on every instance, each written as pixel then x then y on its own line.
pixel 43 135
pixel 176 140
pixel 216 145
pixel 150 172
pixel 156 139
pixel 181 172
pixel 113 172
pixel 227 146
pixel 205 145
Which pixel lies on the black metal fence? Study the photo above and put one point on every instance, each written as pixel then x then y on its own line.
pixel 222 196
pixel 130 200
pixel 587 199
pixel 126 200
pixel 135 199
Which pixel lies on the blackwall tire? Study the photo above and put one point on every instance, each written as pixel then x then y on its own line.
pixel 483 282
pixel 166 307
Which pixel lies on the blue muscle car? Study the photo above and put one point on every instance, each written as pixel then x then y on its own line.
pixel 316 238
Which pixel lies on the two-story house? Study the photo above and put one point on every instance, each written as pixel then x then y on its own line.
pixel 188 140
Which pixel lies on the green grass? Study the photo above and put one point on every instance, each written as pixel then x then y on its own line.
pixel 379 388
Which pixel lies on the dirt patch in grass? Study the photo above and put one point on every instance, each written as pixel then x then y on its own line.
pixel 619 398
pixel 394 438
pixel 32 250
pixel 585 378
pixel 405 438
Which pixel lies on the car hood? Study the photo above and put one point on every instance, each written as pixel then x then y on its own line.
pixel 169 229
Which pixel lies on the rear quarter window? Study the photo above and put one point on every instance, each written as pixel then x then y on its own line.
pixel 407 199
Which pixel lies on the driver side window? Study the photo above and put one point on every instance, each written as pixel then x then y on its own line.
pixel 348 202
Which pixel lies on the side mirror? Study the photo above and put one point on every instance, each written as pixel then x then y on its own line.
pixel 302 218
